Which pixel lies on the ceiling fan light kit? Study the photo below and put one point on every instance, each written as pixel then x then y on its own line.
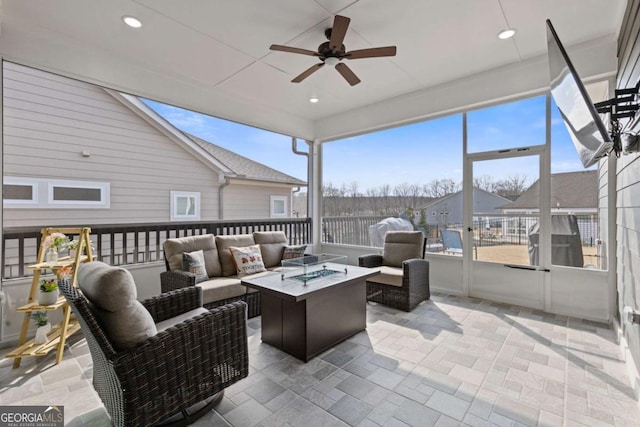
pixel 333 52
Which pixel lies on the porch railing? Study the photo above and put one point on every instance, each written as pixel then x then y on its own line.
pixel 122 244
pixel 349 230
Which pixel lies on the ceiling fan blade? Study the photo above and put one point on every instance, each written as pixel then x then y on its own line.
pixel 374 52
pixel 348 75
pixel 307 72
pixel 293 50
pixel 338 31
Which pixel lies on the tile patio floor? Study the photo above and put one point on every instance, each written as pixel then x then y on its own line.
pixel 452 361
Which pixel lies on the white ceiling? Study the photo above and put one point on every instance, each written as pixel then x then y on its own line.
pixel 213 55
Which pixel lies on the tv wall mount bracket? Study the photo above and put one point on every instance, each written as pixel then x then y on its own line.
pixel 623 106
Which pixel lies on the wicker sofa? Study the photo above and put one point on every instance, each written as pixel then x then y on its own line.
pixel 222 285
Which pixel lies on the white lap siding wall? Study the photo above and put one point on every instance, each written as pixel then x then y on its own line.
pixel 50 120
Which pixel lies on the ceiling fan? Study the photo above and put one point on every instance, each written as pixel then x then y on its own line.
pixel 333 52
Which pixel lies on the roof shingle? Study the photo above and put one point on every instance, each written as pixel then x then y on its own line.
pixel 568 190
pixel 243 167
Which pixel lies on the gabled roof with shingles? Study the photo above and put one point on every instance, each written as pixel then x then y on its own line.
pixel 477 192
pixel 245 168
pixel 568 190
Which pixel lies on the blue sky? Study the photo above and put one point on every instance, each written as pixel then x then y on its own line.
pixel 413 154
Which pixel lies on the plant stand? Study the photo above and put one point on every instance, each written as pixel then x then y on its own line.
pixel 59 332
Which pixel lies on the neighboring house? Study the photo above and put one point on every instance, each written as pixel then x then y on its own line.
pixel 110 159
pixel 448 210
pixel 571 193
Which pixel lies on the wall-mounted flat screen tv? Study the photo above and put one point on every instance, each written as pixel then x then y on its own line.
pixel 588 132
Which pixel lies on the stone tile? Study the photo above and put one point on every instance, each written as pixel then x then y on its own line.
pixel 265 390
pixel 542 400
pixel 355 386
pixel 247 414
pixel 375 396
pixel 509 366
pixel 385 378
pixel 548 419
pixel 382 413
pixel 324 401
pixel 448 405
pixel 467 374
pixel 442 382
pixel 474 421
pixel 300 412
pixel 350 410
pixel 416 415
pixel 337 357
pixel 445 421
pixel 516 411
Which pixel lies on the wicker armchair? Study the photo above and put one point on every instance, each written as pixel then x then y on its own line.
pixel 186 366
pixel 403 282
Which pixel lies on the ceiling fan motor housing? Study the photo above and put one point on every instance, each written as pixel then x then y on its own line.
pixel 325 51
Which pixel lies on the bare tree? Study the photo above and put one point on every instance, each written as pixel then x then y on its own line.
pixel 385 193
pixel 352 192
pixel 373 198
pixel 485 182
pixel 441 187
pixel 449 186
pixel 513 185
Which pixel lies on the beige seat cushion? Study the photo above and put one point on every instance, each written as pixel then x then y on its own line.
pixel 173 249
pixel 221 288
pixel 224 243
pixel 400 246
pixel 166 324
pixel 272 245
pixel 112 294
pixel 388 276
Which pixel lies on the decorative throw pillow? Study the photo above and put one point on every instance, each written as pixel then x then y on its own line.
pixel 291 252
pixel 248 259
pixel 193 262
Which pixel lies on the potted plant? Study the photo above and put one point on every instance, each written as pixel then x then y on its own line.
pixel 44 327
pixel 53 242
pixel 48 292
pixel 72 246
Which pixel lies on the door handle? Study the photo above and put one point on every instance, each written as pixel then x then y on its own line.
pixel 527 267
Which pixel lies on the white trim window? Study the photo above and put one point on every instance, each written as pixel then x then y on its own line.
pixel 278 207
pixel 19 192
pixel 78 194
pixel 43 193
pixel 185 206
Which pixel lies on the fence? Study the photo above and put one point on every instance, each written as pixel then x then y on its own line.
pixel 122 244
pixel 488 231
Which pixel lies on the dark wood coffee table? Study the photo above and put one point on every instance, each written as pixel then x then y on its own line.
pixel 307 319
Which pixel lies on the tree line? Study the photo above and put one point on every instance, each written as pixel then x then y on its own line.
pixel 351 199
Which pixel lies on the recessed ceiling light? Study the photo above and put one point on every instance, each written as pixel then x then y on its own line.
pixel 314 99
pixel 506 34
pixel 131 21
